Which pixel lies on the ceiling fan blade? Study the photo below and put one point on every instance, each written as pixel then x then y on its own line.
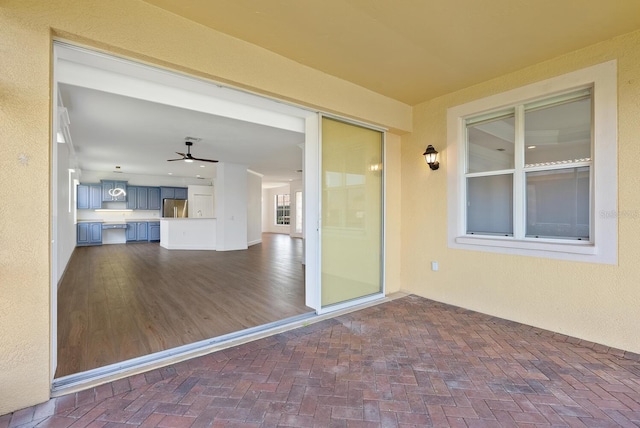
pixel 171 160
pixel 203 160
pixel 181 154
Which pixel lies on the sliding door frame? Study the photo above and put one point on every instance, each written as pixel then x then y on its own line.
pixel 318 198
pixel 312 210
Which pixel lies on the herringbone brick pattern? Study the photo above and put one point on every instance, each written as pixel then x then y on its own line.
pixel 409 362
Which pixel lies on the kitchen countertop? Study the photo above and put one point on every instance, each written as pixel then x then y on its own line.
pixel 187 218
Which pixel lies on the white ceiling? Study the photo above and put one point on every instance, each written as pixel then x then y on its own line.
pixel 136 117
pixel 110 130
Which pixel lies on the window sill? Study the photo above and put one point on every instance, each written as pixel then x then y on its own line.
pixel 526 246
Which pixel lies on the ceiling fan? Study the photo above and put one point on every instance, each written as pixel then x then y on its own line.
pixel 187 157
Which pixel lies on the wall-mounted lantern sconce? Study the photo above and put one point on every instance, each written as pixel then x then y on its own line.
pixel 431 156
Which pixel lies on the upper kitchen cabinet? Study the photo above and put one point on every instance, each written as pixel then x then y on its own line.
pixel 89 196
pixel 154 201
pixel 132 197
pixel 110 192
pixel 143 198
pixel 174 192
pixel 181 192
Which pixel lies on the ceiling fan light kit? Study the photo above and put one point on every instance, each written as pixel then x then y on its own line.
pixel 188 157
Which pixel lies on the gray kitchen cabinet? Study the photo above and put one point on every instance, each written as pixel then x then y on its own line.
pixel 143 198
pixel 132 197
pixel 154 231
pixel 89 196
pixel 89 234
pixel 137 231
pixel 174 192
pixel 108 186
pixel 154 201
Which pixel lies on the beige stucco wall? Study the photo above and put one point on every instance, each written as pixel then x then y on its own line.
pixel 594 302
pixel 141 31
pixel 392 213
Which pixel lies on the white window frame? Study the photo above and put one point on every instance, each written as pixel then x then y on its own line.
pixel 603 243
pixel 277 196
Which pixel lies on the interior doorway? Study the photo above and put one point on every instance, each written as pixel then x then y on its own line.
pixel 87 73
pixel 183 96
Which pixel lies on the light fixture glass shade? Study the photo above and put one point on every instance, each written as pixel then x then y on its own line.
pixel 431 156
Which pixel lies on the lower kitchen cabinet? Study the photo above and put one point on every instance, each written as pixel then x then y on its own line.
pixel 154 231
pixel 137 231
pixel 89 234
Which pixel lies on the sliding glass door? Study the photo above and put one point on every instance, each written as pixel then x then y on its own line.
pixel 352 206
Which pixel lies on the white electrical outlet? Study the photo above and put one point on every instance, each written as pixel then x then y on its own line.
pixel 434 266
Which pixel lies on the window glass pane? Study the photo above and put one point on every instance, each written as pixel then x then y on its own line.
pixel 283 206
pixel 490 205
pixel 559 133
pixel 558 203
pixel 351 233
pixel 490 144
pixel 298 212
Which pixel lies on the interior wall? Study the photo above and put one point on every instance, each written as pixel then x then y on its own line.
pixel 201 201
pixel 594 302
pixel 64 219
pixel 231 207
pixel 254 209
pixel 138 30
pixel 143 180
pixel 294 186
pixel 268 209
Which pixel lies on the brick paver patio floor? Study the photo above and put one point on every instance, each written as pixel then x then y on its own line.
pixel 408 362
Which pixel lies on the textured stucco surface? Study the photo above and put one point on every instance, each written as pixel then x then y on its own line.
pixel 141 31
pixel 595 302
pixel 393 211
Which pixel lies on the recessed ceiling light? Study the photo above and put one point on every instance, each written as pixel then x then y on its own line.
pixel 531 147
pixel 198 175
pixel 201 166
pixel 171 173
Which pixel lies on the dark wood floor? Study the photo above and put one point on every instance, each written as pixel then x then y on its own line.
pixel 117 302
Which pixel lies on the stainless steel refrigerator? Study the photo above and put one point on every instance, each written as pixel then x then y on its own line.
pixel 174 208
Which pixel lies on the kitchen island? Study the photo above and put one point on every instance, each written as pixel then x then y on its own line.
pixel 188 233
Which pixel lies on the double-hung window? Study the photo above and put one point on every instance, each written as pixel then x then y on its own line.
pixel 283 209
pixel 533 171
